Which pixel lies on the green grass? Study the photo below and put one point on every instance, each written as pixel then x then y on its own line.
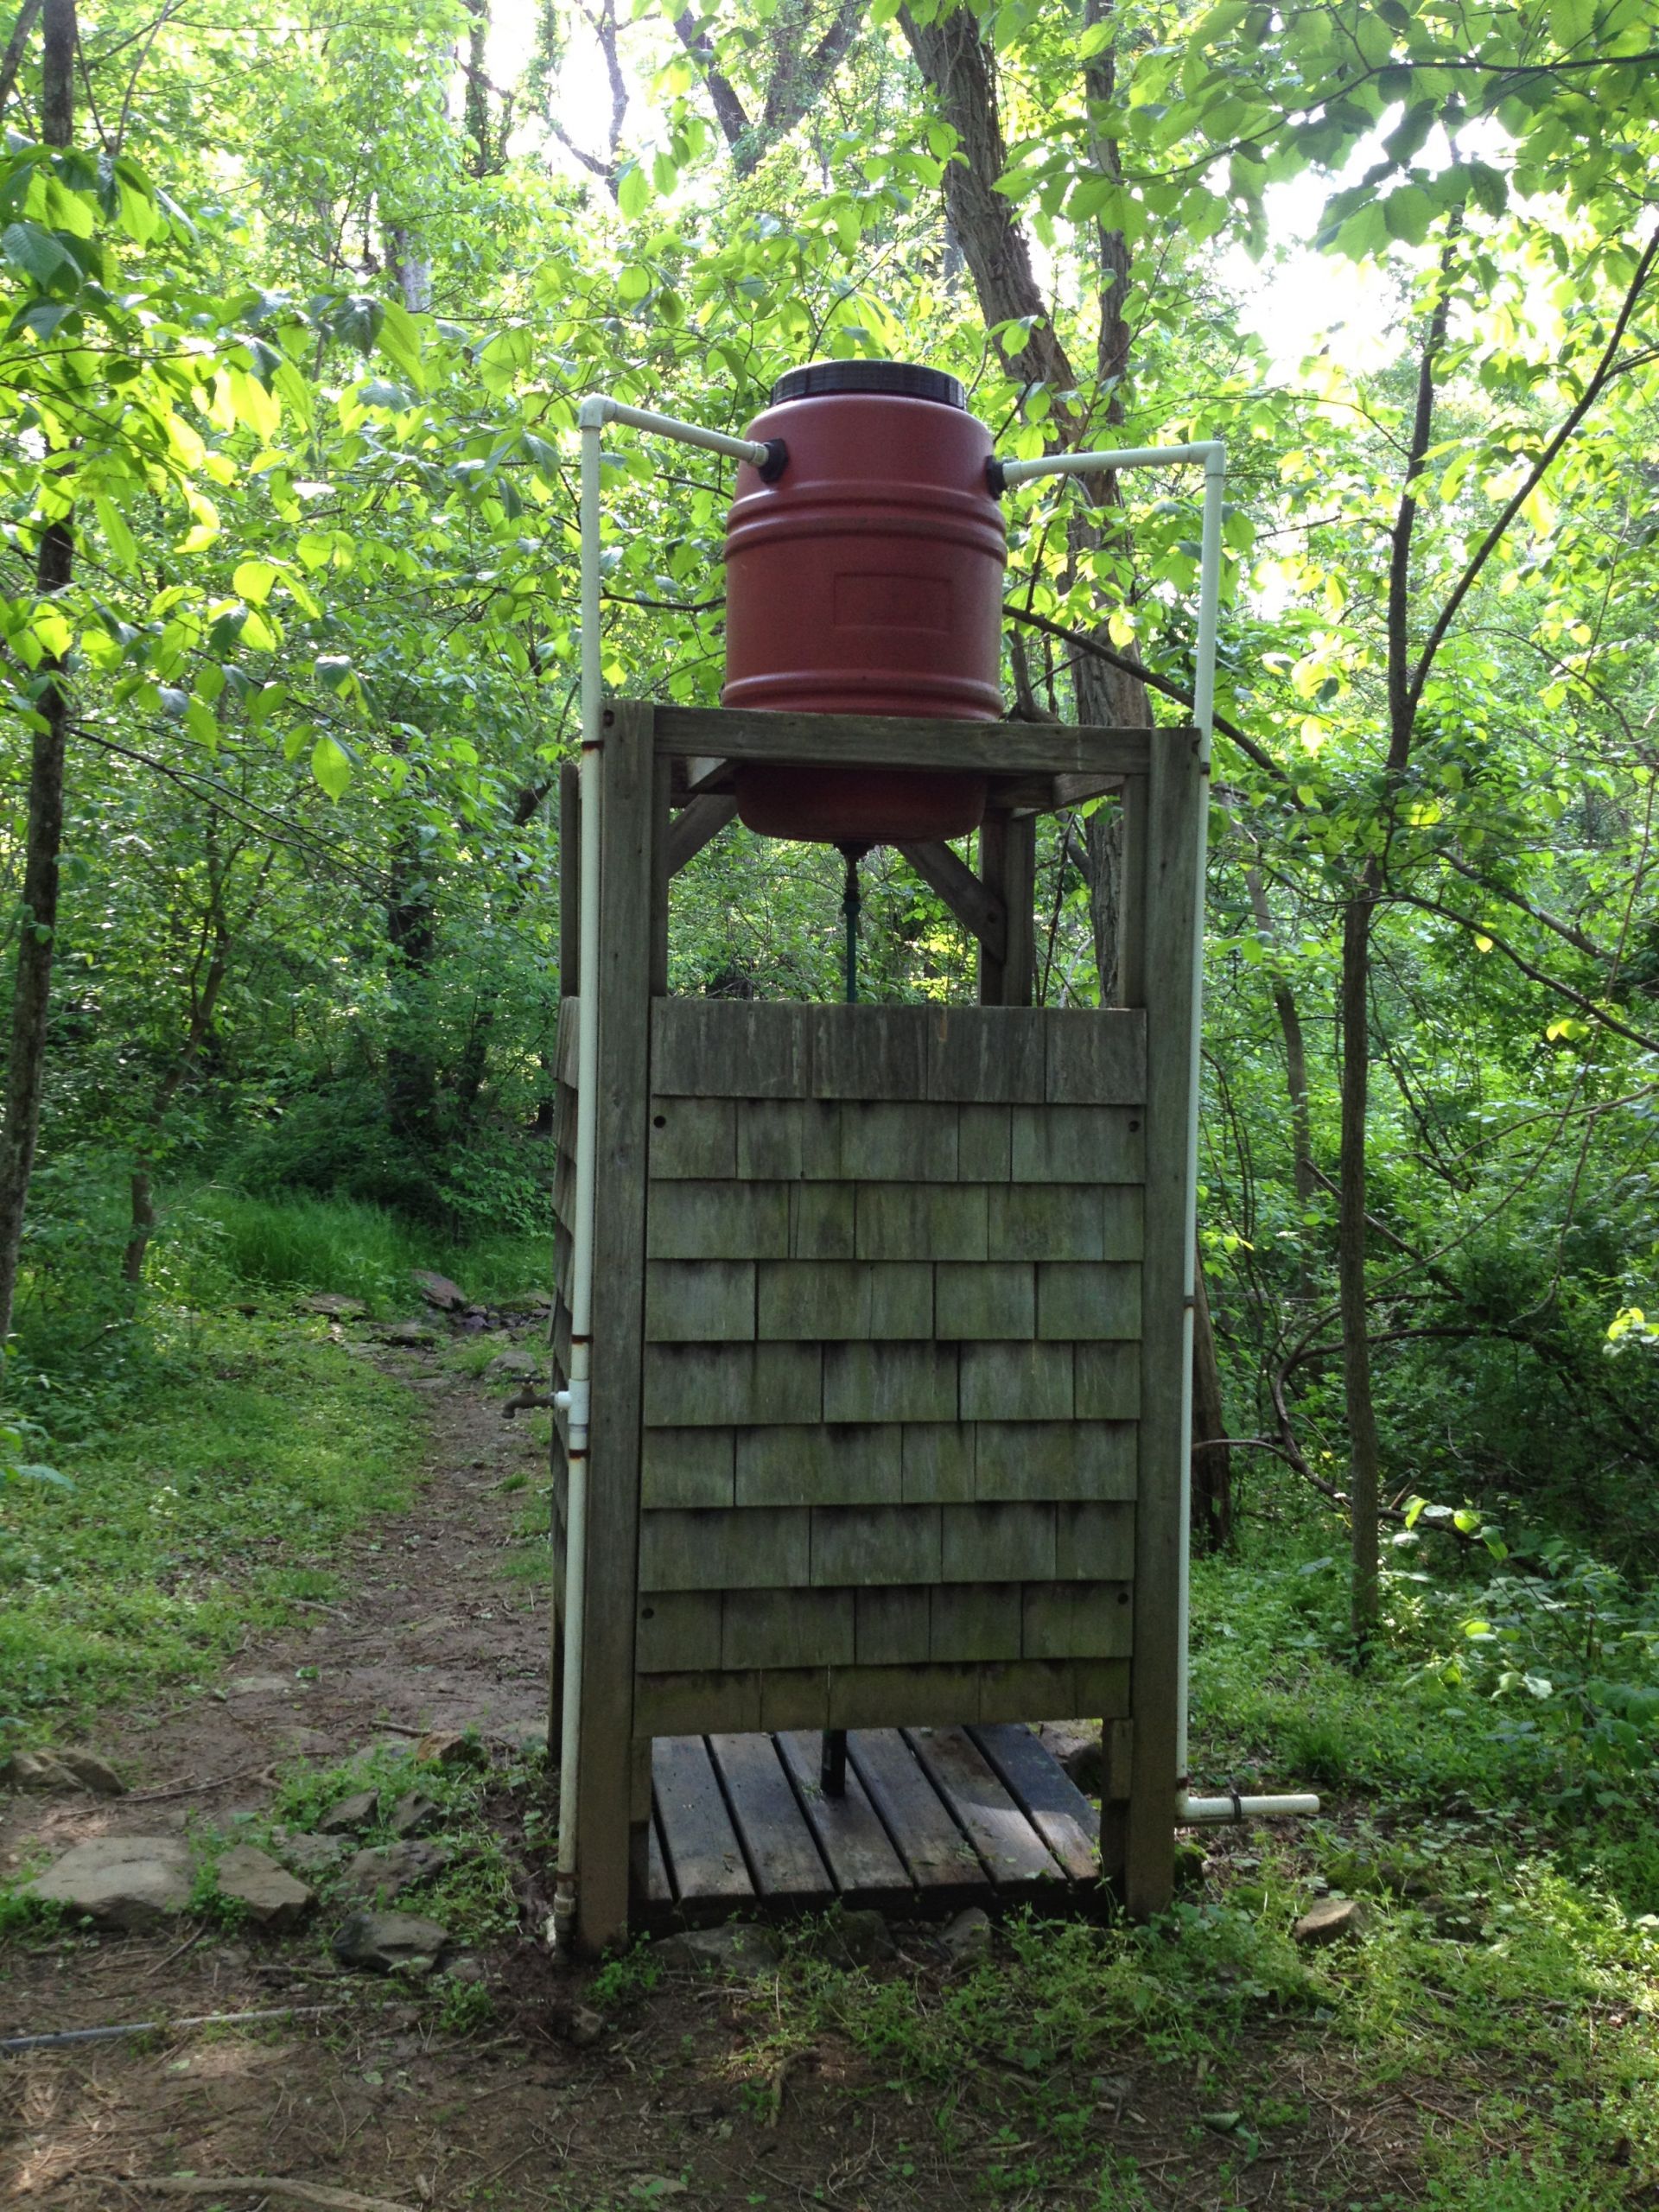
pixel 473 1896
pixel 361 1251
pixel 195 1517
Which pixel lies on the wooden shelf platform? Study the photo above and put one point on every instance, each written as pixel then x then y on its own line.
pixel 933 1819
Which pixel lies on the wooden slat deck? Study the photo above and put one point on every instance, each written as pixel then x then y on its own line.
pixel 933 1819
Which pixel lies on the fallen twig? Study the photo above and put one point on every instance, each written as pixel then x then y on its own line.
pixel 296 2192
pixel 64 2037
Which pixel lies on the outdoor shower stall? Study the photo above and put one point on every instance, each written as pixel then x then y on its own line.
pixel 872 1341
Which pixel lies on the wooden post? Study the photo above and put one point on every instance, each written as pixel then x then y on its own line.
pixel 1132 897
pixel 1173 797
pixel 661 875
pixel 628 906
pixel 1008 867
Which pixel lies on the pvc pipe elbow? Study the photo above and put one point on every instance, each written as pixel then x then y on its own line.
pixel 594 411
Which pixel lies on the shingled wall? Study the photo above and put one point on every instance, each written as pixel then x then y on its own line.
pixel 892 1322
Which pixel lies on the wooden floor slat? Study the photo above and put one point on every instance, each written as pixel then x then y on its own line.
pixel 1012 1850
pixel 865 1867
pixel 704 1857
pixel 776 1838
pixel 1045 1792
pixel 659 1889
pixel 932 1847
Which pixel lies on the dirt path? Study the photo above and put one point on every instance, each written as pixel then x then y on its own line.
pixel 690 2088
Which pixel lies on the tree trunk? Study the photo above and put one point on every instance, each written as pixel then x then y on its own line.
pixel 54 565
pixel 1290 1028
pixel 1364 1453
pixel 1212 1464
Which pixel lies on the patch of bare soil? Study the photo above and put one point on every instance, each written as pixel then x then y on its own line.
pixel 681 2097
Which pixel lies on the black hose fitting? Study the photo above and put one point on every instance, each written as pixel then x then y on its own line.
pixel 776 462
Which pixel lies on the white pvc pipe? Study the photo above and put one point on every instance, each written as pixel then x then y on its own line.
pixel 595 411
pixel 1213 454
pixel 1093 464
pixel 1194 1810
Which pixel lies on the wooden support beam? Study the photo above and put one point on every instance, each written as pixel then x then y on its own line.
pixel 1008 860
pixel 694 826
pixel 1174 794
pixel 889 741
pixel 974 904
pixel 605 1791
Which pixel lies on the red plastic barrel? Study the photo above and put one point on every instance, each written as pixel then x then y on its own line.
pixel 868 579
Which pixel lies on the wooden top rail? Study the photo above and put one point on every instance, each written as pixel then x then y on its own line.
pixel 895 741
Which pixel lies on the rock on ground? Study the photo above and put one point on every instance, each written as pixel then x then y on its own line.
pixel 313 1854
pixel 379 1941
pixel 516 1361
pixel 968 1938
pixel 737 1948
pixel 388 1868
pixel 125 1881
pixel 416 1335
pixel 860 1938
pixel 62 1769
pixel 1077 1746
pixel 349 1814
pixel 438 1290
pixel 450 1747
pixel 268 1893
pixel 414 1812
pixel 1333 1920
pixel 332 1303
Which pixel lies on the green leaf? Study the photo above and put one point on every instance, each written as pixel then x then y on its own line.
pixel 252 581
pixel 633 191
pixel 121 542
pixel 38 254
pixel 331 765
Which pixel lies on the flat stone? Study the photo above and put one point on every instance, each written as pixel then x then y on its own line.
pixel 331 1302
pixel 515 1361
pixel 387 1869
pixel 350 1814
pixel 309 1743
pixel 967 1940
pixel 1333 1920
pixel 414 1812
pixel 378 1943
pixel 92 1773
pixel 468 1969
pixel 263 1686
pixel 738 1949
pixel 35 1770
pixel 124 1881
pixel 416 1335
pixel 313 1854
pixel 577 2023
pixel 438 1290
pixel 268 1893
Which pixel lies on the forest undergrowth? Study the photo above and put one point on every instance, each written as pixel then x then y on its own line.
pixel 1487 1778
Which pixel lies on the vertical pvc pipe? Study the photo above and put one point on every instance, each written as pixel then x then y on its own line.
pixel 591 422
pixel 594 413
pixel 1203 713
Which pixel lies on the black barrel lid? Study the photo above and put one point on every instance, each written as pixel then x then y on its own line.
pixel 899 379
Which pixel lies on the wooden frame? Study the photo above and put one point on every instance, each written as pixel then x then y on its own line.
pixel 662 777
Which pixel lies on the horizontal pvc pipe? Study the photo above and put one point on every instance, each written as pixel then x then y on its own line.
pixel 1192 1809
pixel 597 411
pixel 1091 464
